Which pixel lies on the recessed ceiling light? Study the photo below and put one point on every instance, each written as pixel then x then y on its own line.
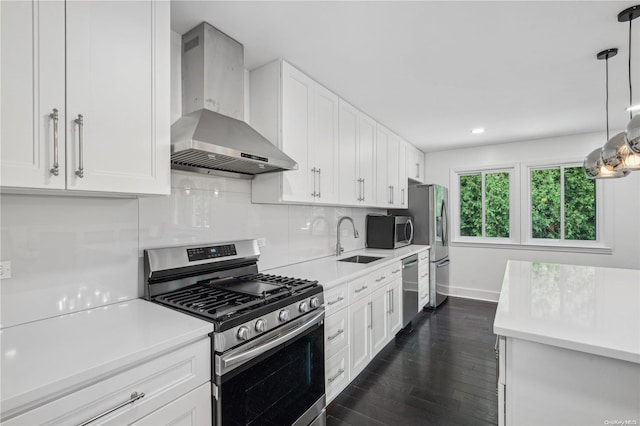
pixel 478 130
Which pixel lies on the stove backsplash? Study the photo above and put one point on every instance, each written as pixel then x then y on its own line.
pixel 73 253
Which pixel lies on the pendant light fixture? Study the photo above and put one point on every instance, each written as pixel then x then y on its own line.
pixel 617 153
pixel 594 166
pixel 632 136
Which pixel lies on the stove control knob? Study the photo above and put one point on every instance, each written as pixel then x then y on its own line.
pixel 303 307
pixel 261 326
pixel 243 333
pixel 314 302
pixel 283 316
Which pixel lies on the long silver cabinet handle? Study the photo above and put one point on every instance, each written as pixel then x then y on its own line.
pixel 390 303
pixel 402 196
pixel 392 300
pixel 363 189
pixel 319 182
pixel 313 194
pixel 364 287
pixel 333 302
pixel 339 332
pixel 55 170
pixel 418 170
pixel 390 192
pixel 134 397
pixel 80 122
pixel 338 374
pixel 370 314
pixel 360 190
pixel 393 198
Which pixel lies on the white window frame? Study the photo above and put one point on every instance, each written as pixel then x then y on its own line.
pixel 514 204
pixel 601 244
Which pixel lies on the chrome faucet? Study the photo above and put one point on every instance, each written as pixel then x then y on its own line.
pixel 339 248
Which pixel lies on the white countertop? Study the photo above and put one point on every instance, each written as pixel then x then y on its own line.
pixel 329 272
pixel 583 308
pixel 46 358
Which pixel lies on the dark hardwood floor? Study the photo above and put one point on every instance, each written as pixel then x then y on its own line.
pixel 440 372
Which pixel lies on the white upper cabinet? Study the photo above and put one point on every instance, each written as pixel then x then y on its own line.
pixel 387 168
pixel 401 201
pixel 324 145
pixel 357 156
pixel 32 119
pixel 415 164
pixel 113 110
pixel 300 117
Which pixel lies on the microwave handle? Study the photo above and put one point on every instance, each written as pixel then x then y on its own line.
pixel 410 224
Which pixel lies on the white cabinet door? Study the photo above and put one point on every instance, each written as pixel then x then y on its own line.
pixel 118 85
pixel 367 158
pixel 192 409
pixel 297 122
pixel 393 168
pixel 359 341
pixel 402 200
pixel 383 188
pixel 32 87
pixel 395 309
pixel 324 148
pixel 350 185
pixel 379 320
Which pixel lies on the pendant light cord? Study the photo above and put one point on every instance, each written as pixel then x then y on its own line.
pixel 630 88
pixel 606 85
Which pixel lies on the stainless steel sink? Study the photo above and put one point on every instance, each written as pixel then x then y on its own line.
pixel 360 259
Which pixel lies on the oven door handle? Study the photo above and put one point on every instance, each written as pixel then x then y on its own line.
pixel 252 353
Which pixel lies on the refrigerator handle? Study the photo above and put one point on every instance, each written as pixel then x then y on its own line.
pixel 443 213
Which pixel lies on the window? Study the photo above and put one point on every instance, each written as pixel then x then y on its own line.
pixel 541 206
pixel 563 204
pixel 483 204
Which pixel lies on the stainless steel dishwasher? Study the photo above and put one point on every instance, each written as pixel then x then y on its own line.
pixel 409 289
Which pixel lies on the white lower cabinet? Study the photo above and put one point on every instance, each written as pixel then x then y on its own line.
pixel 337 373
pixel 362 316
pixel 128 396
pixel 192 409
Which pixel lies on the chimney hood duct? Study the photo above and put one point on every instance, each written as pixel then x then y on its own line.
pixel 211 137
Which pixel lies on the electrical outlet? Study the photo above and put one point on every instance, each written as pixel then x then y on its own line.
pixel 5 269
pixel 262 242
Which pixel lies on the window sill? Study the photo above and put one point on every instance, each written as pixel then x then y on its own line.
pixel 535 247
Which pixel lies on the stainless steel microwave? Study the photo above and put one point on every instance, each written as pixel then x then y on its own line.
pixel 389 232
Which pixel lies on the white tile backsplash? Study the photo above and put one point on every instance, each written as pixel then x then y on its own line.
pixel 67 254
pixel 72 253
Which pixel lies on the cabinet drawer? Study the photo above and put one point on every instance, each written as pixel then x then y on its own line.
pixel 358 289
pixel 336 333
pixel 384 275
pixel 337 373
pixel 192 409
pixel 423 272
pixel 423 257
pixel 336 299
pixel 162 380
pixel 395 271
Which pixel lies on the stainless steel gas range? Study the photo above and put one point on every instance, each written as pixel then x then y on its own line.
pixel 268 339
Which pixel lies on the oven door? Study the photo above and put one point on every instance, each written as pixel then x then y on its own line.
pixel 276 379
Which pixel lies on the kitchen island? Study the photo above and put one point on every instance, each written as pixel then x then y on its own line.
pixel 569 345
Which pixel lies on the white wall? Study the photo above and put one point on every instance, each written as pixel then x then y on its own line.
pixel 477 272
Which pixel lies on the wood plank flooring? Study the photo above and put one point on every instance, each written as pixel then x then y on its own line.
pixel 442 371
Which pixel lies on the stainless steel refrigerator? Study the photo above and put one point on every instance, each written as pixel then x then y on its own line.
pixel 429 207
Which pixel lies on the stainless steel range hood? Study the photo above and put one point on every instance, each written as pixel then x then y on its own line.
pixel 211 137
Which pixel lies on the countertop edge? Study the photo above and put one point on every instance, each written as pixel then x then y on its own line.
pixel 568 344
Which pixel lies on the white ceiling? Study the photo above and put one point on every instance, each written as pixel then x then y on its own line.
pixel 432 71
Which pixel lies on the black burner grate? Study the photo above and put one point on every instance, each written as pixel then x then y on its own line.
pixel 209 300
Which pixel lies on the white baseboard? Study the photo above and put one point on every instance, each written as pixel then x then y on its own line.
pixel 470 293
